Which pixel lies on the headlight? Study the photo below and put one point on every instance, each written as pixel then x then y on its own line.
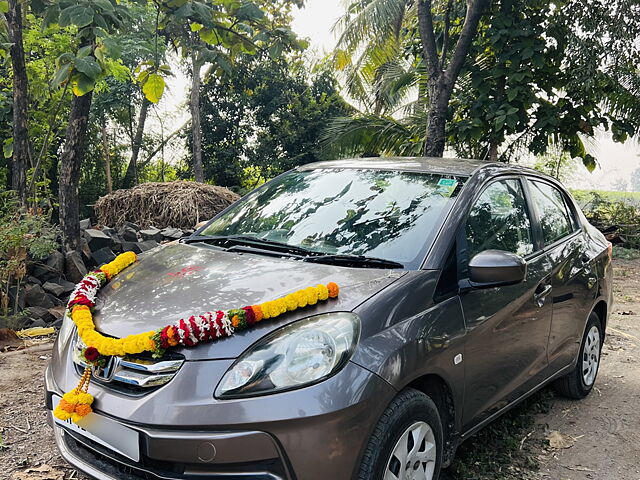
pixel 297 355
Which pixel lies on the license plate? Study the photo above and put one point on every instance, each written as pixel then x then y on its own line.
pixel 106 432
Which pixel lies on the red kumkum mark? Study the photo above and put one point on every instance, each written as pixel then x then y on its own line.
pixel 186 271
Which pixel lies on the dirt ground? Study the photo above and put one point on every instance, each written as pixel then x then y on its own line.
pixel 594 439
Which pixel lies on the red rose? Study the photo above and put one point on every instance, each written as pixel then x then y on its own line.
pixel 91 354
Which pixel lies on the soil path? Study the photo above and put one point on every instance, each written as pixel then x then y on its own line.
pixel 602 431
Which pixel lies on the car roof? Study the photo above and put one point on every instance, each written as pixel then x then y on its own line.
pixel 454 166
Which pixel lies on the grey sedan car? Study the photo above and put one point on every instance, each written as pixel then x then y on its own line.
pixel 465 287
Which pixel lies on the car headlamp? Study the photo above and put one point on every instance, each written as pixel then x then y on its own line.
pixel 300 354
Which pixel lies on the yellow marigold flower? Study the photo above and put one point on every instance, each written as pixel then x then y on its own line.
pixel 292 302
pixel 302 298
pixel 312 295
pixel 323 291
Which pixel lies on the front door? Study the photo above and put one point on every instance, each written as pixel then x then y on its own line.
pixel 507 326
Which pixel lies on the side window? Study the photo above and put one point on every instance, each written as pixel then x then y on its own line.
pixel 499 220
pixel 552 209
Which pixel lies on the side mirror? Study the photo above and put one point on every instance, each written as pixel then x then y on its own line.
pixel 493 268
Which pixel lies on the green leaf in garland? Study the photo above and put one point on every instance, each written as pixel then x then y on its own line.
pixel 153 88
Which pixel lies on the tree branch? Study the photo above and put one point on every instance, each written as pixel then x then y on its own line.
pixel 429 50
pixel 447 26
pixel 475 8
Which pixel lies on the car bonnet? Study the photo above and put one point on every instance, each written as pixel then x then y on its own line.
pixel 180 280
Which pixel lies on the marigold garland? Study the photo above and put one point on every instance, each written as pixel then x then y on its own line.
pixel 188 332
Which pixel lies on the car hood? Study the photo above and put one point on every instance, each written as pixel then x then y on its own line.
pixel 180 280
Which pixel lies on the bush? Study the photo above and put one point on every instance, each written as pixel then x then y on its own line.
pixel 603 212
pixel 24 235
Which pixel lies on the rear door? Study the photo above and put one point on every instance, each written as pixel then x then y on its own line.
pixel 573 280
pixel 508 326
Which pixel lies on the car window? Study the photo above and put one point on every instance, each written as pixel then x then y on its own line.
pixel 499 220
pixel 387 214
pixel 552 210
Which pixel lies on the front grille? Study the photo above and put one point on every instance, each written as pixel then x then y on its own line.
pixel 132 374
pixel 122 468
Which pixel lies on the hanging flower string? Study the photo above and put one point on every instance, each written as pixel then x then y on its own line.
pixel 186 332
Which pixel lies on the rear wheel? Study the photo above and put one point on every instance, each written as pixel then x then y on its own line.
pixel 407 441
pixel 579 383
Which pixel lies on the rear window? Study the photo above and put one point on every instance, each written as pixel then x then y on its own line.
pixel 385 214
pixel 555 220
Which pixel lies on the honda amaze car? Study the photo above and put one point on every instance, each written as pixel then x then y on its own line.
pixel 464 288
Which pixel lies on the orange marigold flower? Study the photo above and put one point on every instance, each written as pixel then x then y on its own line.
pixel 257 311
pixel 66 406
pixel 83 410
pixel 333 289
pixel 235 321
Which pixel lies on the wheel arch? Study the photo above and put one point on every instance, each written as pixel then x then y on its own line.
pixel 601 309
pixel 438 389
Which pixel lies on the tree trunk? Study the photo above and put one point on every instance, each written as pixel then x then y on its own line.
pixel 441 79
pixel 107 157
pixel 70 163
pixel 194 108
pixel 20 99
pixel 131 177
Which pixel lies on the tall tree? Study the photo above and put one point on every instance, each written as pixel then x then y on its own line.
pixel 443 69
pixel 20 101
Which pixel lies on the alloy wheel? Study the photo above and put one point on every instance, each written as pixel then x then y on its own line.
pixel 591 356
pixel 414 455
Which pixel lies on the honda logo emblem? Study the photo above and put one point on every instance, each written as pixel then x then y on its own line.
pixel 108 372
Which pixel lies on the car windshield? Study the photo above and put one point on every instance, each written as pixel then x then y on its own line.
pixel 384 214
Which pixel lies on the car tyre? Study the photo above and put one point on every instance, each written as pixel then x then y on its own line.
pixel 411 418
pixel 579 383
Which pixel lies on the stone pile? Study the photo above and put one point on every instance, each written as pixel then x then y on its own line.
pixel 44 292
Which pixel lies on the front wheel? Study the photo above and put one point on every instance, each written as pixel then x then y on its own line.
pixel 579 383
pixel 407 441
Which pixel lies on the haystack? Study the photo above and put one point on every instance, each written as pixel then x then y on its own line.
pixel 173 204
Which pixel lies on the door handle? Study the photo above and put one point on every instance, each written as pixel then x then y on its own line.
pixel 541 293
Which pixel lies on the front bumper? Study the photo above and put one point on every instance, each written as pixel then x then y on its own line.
pixel 314 433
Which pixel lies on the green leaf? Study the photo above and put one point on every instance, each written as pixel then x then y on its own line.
pixel 4 6
pixel 78 15
pixel 153 88
pixel 81 84
pixel 195 26
pixel 84 51
pixel 7 148
pixel 249 11
pixel 275 50
pixel 62 75
pixel 89 67
pixel 590 162
pixel 104 5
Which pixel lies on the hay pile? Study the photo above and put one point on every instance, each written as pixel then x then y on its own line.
pixel 172 204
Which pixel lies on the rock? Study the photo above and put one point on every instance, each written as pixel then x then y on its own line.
pixel 84 224
pixel 128 234
pixel 38 322
pixel 67 286
pixel 57 323
pixel 97 239
pixel 188 232
pixel 56 261
pixel 55 300
pixel 131 247
pixel 35 296
pixel 44 272
pixel 102 256
pixel 20 294
pixel 148 245
pixel 54 288
pixel 131 225
pixel 39 313
pixel 172 234
pixel 32 279
pixel 57 312
pixel 74 267
pixel 151 234
pixel 116 241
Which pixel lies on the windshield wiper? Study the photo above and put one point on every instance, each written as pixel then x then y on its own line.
pixel 248 240
pixel 353 261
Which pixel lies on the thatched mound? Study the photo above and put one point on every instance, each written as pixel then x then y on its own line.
pixel 172 204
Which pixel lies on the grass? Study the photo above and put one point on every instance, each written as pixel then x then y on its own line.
pixel 499 451
pixel 626 253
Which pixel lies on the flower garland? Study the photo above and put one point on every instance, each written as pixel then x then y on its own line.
pixel 187 332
